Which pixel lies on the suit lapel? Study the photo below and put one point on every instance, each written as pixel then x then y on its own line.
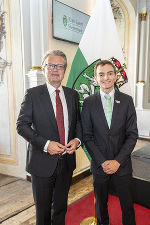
pixel 47 105
pixel 116 108
pixel 69 104
pixel 100 110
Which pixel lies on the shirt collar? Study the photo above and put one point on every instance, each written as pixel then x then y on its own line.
pixel 111 93
pixel 52 89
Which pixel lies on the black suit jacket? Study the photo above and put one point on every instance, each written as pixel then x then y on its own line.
pixel 37 124
pixel 117 142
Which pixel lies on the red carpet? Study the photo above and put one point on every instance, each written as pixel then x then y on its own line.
pixel 85 208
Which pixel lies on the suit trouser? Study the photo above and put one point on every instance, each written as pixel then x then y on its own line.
pixel 51 195
pixel 122 185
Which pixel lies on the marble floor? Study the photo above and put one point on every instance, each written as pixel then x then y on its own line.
pixel 141 144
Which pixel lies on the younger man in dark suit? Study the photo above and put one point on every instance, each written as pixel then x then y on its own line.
pixel 49 120
pixel 110 134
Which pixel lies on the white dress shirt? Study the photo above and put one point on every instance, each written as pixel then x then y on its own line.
pixel 52 94
pixel 102 94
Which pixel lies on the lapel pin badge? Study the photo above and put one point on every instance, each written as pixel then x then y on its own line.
pixel 117 101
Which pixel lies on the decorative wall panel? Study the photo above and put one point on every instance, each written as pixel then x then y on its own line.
pixel 7 106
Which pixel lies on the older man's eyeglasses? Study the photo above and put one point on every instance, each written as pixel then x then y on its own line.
pixel 57 66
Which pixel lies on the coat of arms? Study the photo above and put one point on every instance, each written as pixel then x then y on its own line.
pixel 86 85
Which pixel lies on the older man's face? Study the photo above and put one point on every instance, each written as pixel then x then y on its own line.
pixel 54 70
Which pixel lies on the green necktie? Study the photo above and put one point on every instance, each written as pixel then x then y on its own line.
pixel 108 109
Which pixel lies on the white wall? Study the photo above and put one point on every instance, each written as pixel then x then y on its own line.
pixel 143 117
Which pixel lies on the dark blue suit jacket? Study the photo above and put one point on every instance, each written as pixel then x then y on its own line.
pixel 117 142
pixel 37 124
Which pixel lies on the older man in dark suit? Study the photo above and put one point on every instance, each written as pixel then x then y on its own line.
pixel 110 134
pixel 49 120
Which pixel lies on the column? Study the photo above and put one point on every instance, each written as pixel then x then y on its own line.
pixel 142 60
pixel 142 56
pixel 39 41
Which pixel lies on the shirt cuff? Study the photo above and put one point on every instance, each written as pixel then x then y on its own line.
pixel 46 146
pixel 79 142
